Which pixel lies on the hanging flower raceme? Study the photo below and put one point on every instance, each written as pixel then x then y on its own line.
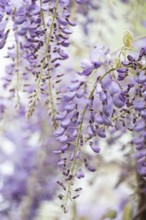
pixel 5 10
pixel 88 115
pixel 41 32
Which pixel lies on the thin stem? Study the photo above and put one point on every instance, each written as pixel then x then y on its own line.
pixel 74 214
pixel 122 114
pixel 75 159
pixel 106 73
pixel 49 81
pixel 47 44
pixel 46 57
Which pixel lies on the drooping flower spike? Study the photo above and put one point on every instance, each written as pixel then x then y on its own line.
pixel 112 105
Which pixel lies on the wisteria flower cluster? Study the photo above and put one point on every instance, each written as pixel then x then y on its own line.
pixel 56 120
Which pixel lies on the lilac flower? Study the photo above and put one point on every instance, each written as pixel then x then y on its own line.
pixel 80 174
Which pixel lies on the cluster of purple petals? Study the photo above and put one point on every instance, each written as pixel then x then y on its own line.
pixel 139 105
pixel 5 9
pixel 41 35
pixel 115 102
pixel 40 32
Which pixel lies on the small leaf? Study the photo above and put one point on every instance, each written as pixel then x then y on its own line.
pixel 127 39
pixel 127 212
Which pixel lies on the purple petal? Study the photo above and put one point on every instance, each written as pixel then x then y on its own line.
pixel 130 58
pixel 61 116
pixel 115 88
pixel 90 168
pixel 80 174
pixel 85 64
pixel 122 70
pixel 139 105
pixel 106 121
pixel 99 120
pixel 59 132
pixel 70 107
pixel 80 93
pixel 95 148
pixel 69 96
pixel 101 133
pixel 87 71
pixel 141 78
pixel 20 20
pixel 143 114
pixel 118 102
pixel 66 123
pixel 139 126
pixel 63 139
pixel 64 147
pixel 74 86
